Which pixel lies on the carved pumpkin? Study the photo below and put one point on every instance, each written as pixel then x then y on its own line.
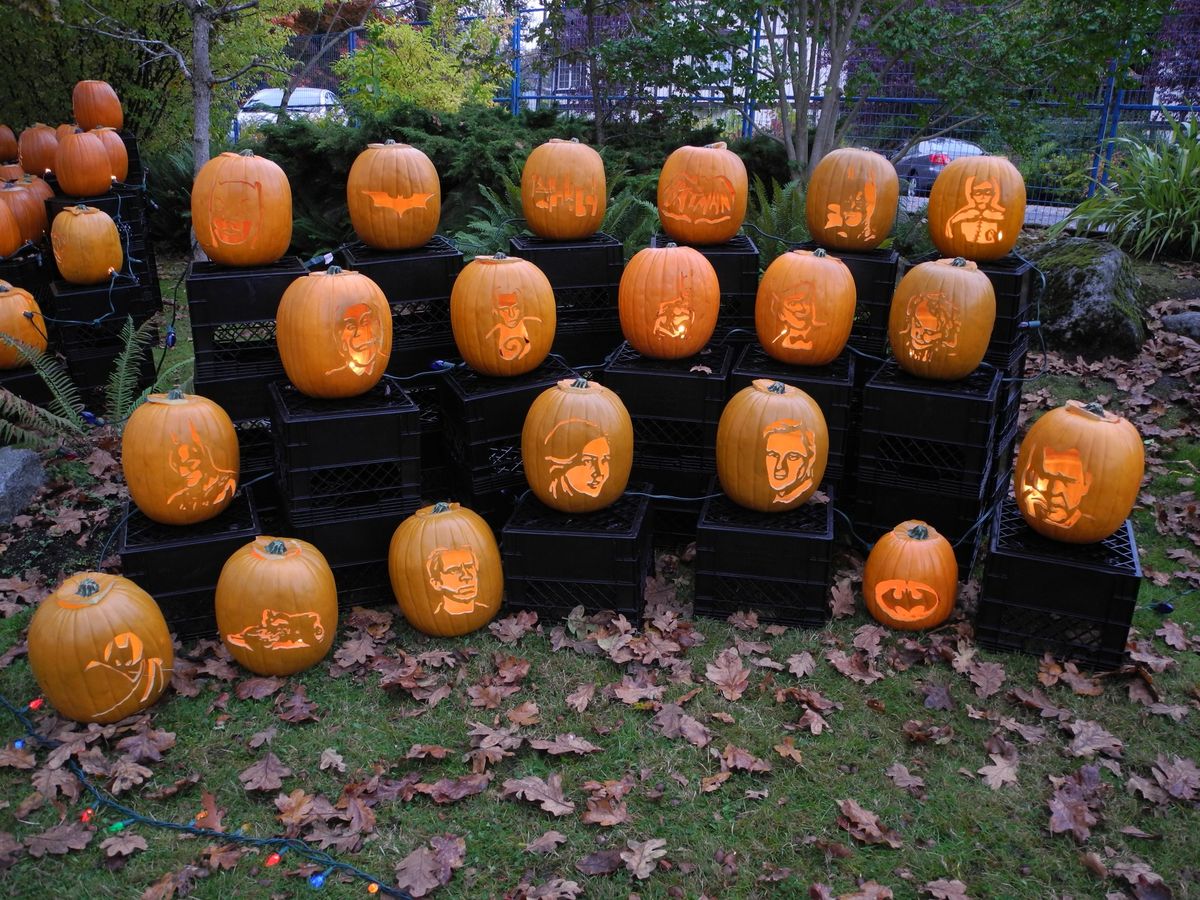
pixel 242 210
pixel 503 315
pixel 911 578
pixel 179 454
pixel 772 447
pixel 118 156
pixel 977 208
pixel 8 144
pixel 36 148
pixel 668 301
pixel 577 446
pixel 95 103
pixel 851 200
pixel 941 319
pixel 276 606
pixel 1078 473
pixel 20 318
pixel 81 165
pixel 805 308
pixel 99 648
pixel 563 190
pixel 394 196
pixel 86 244
pixel 11 172
pixel 11 239
pixel 28 209
pixel 702 194
pixel 445 570
pixel 334 330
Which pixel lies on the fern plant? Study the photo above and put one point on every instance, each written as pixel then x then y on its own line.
pixel 775 214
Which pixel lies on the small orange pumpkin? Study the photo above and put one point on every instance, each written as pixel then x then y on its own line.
pixel 86 244
pixel 95 103
pixel 502 314
pixel 81 165
pixel 977 208
pixel 772 446
pixel 28 208
pixel 702 194
pixel 668 300
pixel 242 210
pixel 20 318
pixel 563 190
pixel 36 148
pixel 118 156
pixel 276 606
pixel 941 319
pixel 910 580
pixel 8 144
pixel 445 570
pixel 394 196
pixel 805 308
pixel 851 199
pixel 99 648
pixel 11 239
pixel 1078 473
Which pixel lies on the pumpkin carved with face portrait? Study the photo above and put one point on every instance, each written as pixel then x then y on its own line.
pixel 941 319
pixel 851 199
pixel 911 578
pixel 804 310
pixel 977 208
pixel 502 315
pixel 242 210
pixel 668 300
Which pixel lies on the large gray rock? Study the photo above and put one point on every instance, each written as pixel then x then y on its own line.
pixel 21 474
pixel 1092 304
pixel 1185 323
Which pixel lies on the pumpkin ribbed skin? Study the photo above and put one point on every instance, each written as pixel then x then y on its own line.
pixel 118 156
pixel 8 144
pixel 64 129
pixel 772 447
pixel 394 196
pixel 99 648
pixel 977 208
pixel 577 446
pixel 81 165
pixel 910 580
pixel 851 199
pixel 334 331
pixel 36 148
pixel 445 570
pixel 702 194
pixel 276 605
pixel 503 315
pixel 1078 473
pixel 941 319
pixel 804 310
pixel 15 302
pixel 11 171
pixel 242 210
pixel 668 300
pixel 563 190
pixel 11 238
pixel 86 244
pixel 40 189
pixel 95 103
pixel 28 209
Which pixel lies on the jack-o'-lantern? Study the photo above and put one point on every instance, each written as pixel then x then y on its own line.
pixel 29 208
pixel 445 570
pixel 977 208
pixel 668 301
pixel 910 580
pixel 772 446
pixel 242 210
pixel 702 194
pixel 502 314
pixel 11 239
pixel 334 330
pixel 99 648
pixel 21 319
pixel 86 245
pixel 179 454
pixel 394 196
pixel 95 103
pixel 10 171
pixel 563 190
pixel 36 148
pixel 851 199
pixel 577 446
pixel 8 144
pixel 81 165
pixel 941 319
pixel 805 308
pixel 276 606
pixel 1078 473
pixel 118 155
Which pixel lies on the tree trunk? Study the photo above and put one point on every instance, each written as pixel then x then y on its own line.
pixel 202 78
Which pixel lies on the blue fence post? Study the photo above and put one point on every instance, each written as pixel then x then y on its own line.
pixel 352 42
pixel 749 107
pixel 1110 87
pixel 1114 121
pixel 515 97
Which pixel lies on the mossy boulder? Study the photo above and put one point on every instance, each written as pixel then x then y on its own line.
pixel 1092 305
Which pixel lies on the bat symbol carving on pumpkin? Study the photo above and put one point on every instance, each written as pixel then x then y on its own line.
pixel 512 334
pixel 125 657
pixel 204 482
pixel 358 340
pixel 454 573
pixel 789 457
pixel 978 219
pixel 1053 487
pixel 933 325
pixel 908 601
pixel 397 204
pixel 228 204
pixel 280 631
pixel 797 312
pixel 699 199
pixel 586 470
pixel 853 216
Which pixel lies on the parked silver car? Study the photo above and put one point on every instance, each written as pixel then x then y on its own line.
pixel 312 103
pixel 922 164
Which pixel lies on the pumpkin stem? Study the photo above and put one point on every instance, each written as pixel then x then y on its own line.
pixel 441 506
pixel 1094 408
pixel 5 287
pixel 574 140
pixel 175 393
pixel 500 255
pixel 388 141
pixel 820 252
pixel 334 270
pixel 959 262
pixel 81 206
pixel 671 245
pixel 276 547
pixel 246 153
pixel 919 533
pixel 580 382
pixel 776 387
pixel 87 588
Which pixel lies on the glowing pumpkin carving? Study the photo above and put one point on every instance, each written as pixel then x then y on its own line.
pixel 977 208
pixel 851 200
pixel 702 194
pixel 668 301
pixel 805 308
pixel 445 570
pixel 86 245
pixel 1078 473
pixel 20 318
pixel 577 446
pixel 394 196
pixel 242 210
pixel 502 314
pixel 563 190
pixel 99 648
pixel 941 319
pixel 911 578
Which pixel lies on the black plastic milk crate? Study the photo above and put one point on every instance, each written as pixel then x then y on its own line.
pixel 485 466
pixel 191 614
pixel 354 540
pixel 27 384
pixel 426 395
pixel 421 273
pixel 343 492
pixel 494 407
pixel 875 273
pixel 691 389
pixel 137 172
pixel 675 521
pixel 125 205
pixel 239 385
pixel 832 385
pixel 595 260
pixel 74 305
pixel 897 403
pixel 256 447
pixel 222 297
pixel 588 344
pixel 31 270
pixel 421 334
pixel 801 605
pixel 736 263
pixel 796 544
pixel 363 584
pixel 91 370
pixel 1074 600
pixel 939 466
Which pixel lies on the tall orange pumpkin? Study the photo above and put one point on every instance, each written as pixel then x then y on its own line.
pixel 977 208
pixel 81 165
pixel 445 570
pixel 11 239
pixel 851 199
pixel 118 155
pixel 394 196
pixel 702 194
pixel 805 308
pixel 941 319
pixel 27 206
pixel 86 245
pixel 668 300
pixel 95 103
pixel 242 210
pixel 1078 473
pixel 20 318
pixel 502 314
pixel 772 446
pixel 911 578
pixel 36 148
pixel 8 144
pixel 563 190
pixel 99 648
pixel 334 330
